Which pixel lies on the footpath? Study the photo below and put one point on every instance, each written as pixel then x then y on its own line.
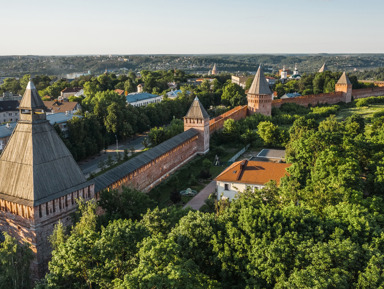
pixel 199 200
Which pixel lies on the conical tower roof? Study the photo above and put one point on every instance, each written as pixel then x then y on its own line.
pixel 197 110
pixel 259 84
pixel 214 69
pixel 344 79
pixel 31 98
pixel 323 68
pixel 36 166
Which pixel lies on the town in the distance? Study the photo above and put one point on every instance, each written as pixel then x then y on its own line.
pixel 213 173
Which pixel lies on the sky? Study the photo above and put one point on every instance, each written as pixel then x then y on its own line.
pixel 71 27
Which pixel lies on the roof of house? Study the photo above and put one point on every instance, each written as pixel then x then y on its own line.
pixel 324 68
pixel 9 105
pixel 174 93
pixel 120 91
pixel 259 84
pixel 197 110
pixel 253 172
pixel 119 172
pixel 138 96
pixel 7 129
pixel 344 79
pixel 58 106
pixel 36 166
pixel 60 117
pixel 71 89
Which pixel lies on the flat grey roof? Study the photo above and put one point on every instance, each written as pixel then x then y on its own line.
pixel 271 154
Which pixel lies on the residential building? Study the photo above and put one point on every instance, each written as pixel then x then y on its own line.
pixel 71 91
pixel 239 80
pixel 10 96
pixel 243 174
pixel 62 106
pixel 9 111
pixel 271 81
pixel 143 98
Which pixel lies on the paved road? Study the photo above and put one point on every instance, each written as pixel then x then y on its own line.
pixel 199 200
pixel 91 165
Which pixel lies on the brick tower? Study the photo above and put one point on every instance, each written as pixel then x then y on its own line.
pixel 39 181
pixel 344 85
pixel 259 95
pixel 198 118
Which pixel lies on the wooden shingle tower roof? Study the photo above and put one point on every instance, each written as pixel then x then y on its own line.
pixel 260 85
pixel 324 68
pixel 36 166
pixel 197 110
pixel 344 79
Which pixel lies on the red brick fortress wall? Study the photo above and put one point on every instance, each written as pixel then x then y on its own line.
pixel 313 99
pixel 367 92
pixel 156 170
pixel 237 113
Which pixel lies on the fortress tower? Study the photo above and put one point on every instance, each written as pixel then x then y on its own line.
pixel 259 95
pixel 214 70
pixel 198 118
pixel 344 85
pixel 323 68
pixel 39 181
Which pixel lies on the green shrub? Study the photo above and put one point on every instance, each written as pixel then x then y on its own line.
pixel 378 114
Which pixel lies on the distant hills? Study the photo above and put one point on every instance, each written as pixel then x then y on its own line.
pixel 16 66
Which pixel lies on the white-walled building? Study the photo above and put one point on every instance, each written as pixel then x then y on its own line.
pixel 254 174
pixel 143 98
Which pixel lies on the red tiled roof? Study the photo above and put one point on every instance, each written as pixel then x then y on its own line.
pixel 253 172
pixel 119 91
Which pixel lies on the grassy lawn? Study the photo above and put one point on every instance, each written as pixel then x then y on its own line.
pixel 188 176
pixel 365 111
